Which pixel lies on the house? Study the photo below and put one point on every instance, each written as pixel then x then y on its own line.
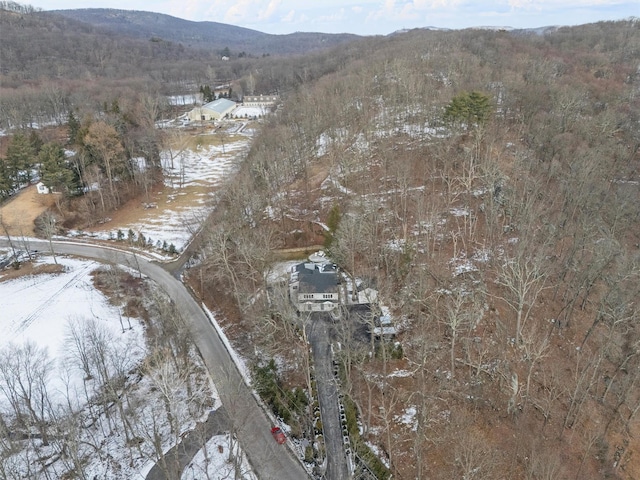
pixel 314 285
pixel 383 325
pixel 42 188
pixel 259 100
pixel 215 110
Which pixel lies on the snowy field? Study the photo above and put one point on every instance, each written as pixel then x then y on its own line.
pixel 250 112
pixel 37 308
pixel 191 177
pixel 41 309
pixel 212 462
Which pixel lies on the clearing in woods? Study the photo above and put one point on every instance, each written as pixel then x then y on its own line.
pixel 194 165
pixel 18 214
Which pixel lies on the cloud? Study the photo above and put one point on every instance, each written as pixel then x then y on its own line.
pixel 238 12
pixel 336 16
pixel 270 10
pixel 564 4
pixel 289 17
pixel 411 10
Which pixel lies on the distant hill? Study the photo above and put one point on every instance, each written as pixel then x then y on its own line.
pixel 37 45
pixel 209 35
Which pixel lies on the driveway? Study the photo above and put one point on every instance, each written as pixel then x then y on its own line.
pixel 319 331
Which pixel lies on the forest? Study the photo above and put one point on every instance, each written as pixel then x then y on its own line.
pixel 485 183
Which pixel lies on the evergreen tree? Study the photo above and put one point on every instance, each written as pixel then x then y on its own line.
pixel 6 186
pixel 333 220
pixel 74 128
pixel 20 160
pixel 471 109
pixel 207 94
pixel 55 172
pixel 36 141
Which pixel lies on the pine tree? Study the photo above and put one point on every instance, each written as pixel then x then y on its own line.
pixel 20 160
pixel 207 94
pixel 333 220
pixel 55 172
pixel 6 186
pixel 470 109
pixel 74 128
pixel 36 141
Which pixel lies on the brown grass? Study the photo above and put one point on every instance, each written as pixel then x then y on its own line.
pixel 19 213
pixel 28 268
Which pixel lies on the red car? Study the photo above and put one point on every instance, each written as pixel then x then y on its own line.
pixel 278 435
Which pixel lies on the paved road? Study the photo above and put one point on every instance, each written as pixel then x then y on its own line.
pixel 248 420
pixel 319 335
pixel 178 457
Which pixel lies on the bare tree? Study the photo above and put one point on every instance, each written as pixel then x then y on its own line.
pixel 24 375
pixel 522 279
pixel 5 228
pixel 463 310
pixel 47 222
pixel 535 346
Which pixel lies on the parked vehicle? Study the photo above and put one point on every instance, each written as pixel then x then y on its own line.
pixel 278 435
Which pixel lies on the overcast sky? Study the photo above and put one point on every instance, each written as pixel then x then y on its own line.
pixel 371 17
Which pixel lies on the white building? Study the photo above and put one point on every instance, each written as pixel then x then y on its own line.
pixel 259 100
pixel 42 188
pixel 215 110
pixel 313 286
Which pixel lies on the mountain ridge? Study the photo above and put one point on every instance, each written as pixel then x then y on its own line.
pixel 203 34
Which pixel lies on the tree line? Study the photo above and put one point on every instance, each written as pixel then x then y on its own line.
pixel 106 159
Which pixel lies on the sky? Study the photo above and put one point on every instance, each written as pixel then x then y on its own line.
pixel 371 17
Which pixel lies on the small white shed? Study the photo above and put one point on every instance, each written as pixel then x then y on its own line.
pixel 42 188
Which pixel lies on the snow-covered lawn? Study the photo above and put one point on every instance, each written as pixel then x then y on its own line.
pixel 42 310
pixel 250 112
pixel 212 462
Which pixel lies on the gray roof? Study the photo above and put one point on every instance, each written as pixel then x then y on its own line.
pixel 221 105
pixel 317 277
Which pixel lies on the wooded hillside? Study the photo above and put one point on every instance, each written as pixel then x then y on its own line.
pixel 487 185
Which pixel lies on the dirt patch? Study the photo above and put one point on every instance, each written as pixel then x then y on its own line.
pixel 132 210
pixel 122 290
pixel 19 213
pixel 30 269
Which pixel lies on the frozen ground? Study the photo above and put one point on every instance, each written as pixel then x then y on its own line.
pixel 190 180
pixel 39 309
pixel 212 462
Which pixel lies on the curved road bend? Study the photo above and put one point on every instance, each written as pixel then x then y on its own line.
pixel 248 421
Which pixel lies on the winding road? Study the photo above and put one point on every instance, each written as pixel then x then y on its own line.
pixel 247 419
